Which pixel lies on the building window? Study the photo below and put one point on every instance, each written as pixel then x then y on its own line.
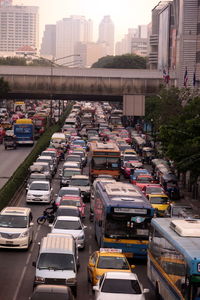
pixel 198 2
pixel 198 28
pixel 198 57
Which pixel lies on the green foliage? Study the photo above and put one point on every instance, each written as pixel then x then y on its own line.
pixel 4 86
pixel 180 138
pixel 13 61
pixel 126 61
pixel 20 175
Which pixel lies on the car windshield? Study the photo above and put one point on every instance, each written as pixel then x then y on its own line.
pixel 109 262
pixel 68 192
pixel 79 182
pixel 144 179
pixel 71 202
pixel 67 173
pixel 73 158
pixel 68 224
pixel 121 286
pixel 159 200
pixel 10 221
pixel 154 190
pixel 39 186
pixel 56 261
pixel 67 212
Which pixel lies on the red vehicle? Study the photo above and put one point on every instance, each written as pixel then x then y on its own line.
pixel 74 201
pixel 130 165
pixel 153 189
pixel 14 117
pixel 143 180
pixel 58 154
pixel 40 123
pixel 2 134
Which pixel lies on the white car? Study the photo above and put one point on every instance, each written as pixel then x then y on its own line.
pixel 119 285
pixel 82 182
pixel 67 191
pixel 39 191
pixel 70 225
pixel 16 227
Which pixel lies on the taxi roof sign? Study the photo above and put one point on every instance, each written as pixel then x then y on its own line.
pixel 113 250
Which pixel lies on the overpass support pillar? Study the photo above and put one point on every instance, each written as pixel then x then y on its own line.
pixel 134 105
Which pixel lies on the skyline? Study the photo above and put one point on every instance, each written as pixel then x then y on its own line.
pixel 135 14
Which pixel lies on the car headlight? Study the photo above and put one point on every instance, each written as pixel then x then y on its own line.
pixel 24 234
pixel 45 196
pixel 39 279
pixel 71 281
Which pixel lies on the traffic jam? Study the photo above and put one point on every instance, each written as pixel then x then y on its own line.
pixel 110 176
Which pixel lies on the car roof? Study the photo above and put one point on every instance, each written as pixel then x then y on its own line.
pixel 68 207
pixel 13 210
pixel 121 275
pixel 80 177
pixel 70 188
pixel 40 181
pixel 43 288
pixel 70 218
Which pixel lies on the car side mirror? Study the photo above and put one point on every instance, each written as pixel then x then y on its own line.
pixel 50 225
pixel 31 224
pixel 84 227
pixel 34 263
pixel 95 288
pixel 145 291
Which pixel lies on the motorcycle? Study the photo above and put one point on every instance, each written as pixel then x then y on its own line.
pixel 47 216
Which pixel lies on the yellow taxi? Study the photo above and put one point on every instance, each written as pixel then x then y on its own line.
pixel 106 260
pixel 160 202
pixel 130 151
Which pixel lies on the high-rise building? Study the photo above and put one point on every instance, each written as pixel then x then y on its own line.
pixel 175 40
pixel 48 45
pixel 90 53
pixel 19 26
pixel 107 34
pixel 69 32
pixel 6 3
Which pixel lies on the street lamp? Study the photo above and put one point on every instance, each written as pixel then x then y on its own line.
pixel 52 63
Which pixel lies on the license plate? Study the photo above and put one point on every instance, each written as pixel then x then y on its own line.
pixel 37 199
pixel 142 232
pixel 9 243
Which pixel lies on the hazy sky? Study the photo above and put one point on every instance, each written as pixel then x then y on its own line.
pixel 124 13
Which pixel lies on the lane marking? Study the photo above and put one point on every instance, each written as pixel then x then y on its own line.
pixel 26 265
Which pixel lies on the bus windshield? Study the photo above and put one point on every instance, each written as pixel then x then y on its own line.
pixel 120 226
pixel 105 162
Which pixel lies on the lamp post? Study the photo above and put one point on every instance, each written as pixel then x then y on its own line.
pixel 52 63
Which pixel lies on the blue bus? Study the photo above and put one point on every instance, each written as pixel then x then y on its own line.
pixel 24 131
pixel 173 263
pixel 122 217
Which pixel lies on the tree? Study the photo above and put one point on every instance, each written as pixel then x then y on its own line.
pixel 13 61
pixel 4 87
pixel 181 138
pixel 126 61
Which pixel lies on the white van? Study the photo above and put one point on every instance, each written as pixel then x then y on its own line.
pixel 57 261
pixel 16 227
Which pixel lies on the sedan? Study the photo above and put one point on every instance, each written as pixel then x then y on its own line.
pixel 119 285
pixel 70 225
pixel 39 191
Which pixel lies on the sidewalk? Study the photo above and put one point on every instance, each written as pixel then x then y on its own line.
pixel 187 198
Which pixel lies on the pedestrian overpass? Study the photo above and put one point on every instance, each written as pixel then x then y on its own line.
pixel 81 84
